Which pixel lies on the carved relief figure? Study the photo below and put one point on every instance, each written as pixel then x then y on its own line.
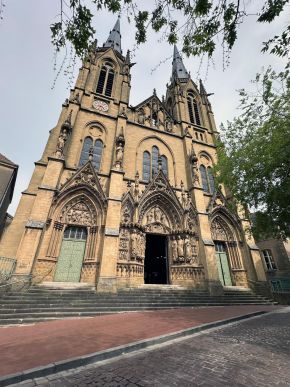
pixel 187 249
pixel 119 154
pixel 174 250
pixel 150 217
pixel 141 117
pixel 134 244
pixel 157 214
pixel 180 247
pixel 61 143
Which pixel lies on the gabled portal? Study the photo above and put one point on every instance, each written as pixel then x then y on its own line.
pixel 156 260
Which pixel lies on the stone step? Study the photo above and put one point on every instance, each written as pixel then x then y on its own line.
pixel 39 308
pixel 60 313
pixel 6 303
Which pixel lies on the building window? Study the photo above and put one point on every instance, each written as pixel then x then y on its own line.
pixel 193 109
pixel 97 150
pixel 207 179
pixel 97 157
pixel 75 233
pixel 269 261
pixel 106 80
pixel 155 157
pixel 164 165
pixel 88 143
pixel 150 164
pixel 146 166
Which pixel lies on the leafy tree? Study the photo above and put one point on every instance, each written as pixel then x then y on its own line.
pixel 199 24
pixel 254 154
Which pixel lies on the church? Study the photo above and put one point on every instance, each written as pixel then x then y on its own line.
pixel 125 196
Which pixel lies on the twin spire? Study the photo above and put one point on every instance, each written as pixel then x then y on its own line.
pixel 178 69
pixel 114 39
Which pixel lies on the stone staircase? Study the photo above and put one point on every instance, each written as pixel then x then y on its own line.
pixel 57 301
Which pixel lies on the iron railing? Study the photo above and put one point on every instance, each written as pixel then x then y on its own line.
pixel 7 267
pixel 280 285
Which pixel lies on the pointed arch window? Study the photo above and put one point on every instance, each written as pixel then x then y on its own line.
pixel 193 109
pixel 97 157
pixel 164 165
pixel 97 149
pixel 155 157
pixel 106 80
pixel 150 164
pixel 146 166
pixel 207 179
pixel 88 143
pixel 210 179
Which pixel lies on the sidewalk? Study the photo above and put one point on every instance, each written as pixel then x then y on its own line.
pixel 29 346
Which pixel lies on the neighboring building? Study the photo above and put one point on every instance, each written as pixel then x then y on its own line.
pixel 275 255
pixel 125 195
pixel 8 174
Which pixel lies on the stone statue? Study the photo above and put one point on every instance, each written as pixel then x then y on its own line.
pixel 158 214
pixel 134 244
pixel 174 250
pixel 150 217
pixel 180 246
pixel 119 154
pixel 61 143
pixel 141 117
pixel 187 249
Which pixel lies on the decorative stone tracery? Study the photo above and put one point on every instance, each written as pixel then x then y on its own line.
pixel 158 210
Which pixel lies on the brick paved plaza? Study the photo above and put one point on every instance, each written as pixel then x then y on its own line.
pixel 255 352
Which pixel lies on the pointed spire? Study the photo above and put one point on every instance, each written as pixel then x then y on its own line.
pixel 114 39
pixel 178 69
pixel 204 94
pixel 128 59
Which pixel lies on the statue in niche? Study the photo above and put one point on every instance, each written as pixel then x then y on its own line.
pixel 119 154
pixel 180 248
pixel 136 191
pixel 187 249
pixel 126 215
pixel 158 214
pixel 150 217
pixel 134 244
pixel 141 117
pixel 168 125
pixel 163 219
pixel 61 143
pixel 155 107
pixel 174 250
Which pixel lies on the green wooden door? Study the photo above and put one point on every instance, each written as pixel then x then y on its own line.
pixel 71 255
pixel 223 264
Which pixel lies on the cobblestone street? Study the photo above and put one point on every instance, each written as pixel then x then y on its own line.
pixel 251 353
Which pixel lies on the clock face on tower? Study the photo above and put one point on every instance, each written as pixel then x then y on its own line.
pixel 100 105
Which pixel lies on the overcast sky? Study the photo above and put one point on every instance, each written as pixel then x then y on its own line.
pixel 30 108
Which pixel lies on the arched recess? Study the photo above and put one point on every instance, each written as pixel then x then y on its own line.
pixel 146 144
pixel 78 206
pixel 159 212
pixel 226 235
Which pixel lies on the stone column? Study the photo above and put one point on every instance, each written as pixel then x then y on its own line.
pixel 28 248
pixel 107 281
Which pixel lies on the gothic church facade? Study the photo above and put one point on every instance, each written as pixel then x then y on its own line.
pixel 124 195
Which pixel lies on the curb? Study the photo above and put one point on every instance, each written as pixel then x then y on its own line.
pixel 111 353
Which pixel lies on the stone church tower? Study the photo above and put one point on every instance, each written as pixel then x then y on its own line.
pixel 124 195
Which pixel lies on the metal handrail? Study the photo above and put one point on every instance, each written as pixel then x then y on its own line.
pixel 280 285
pixel 30 277
pixel 7 267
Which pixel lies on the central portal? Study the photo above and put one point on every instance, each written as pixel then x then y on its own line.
pixel 156 263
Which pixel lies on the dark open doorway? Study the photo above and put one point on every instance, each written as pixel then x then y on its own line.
pixel 155 265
